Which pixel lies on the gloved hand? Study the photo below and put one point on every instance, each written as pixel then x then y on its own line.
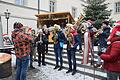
pixel 103 50
pixel 72 46
pixel 118 33
pixel 108 42
pixel 99 53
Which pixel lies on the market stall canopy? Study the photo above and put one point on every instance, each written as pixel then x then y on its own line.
pixel 54 18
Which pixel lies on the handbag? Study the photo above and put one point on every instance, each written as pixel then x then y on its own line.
pixel 61 44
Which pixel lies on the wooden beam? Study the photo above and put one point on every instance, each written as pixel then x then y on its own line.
pixel 54 19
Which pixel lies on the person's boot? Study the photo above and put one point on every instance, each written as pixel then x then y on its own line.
pixel 74 72
pixel 43 64
pixel 35 60
pixel 80 51
pixel 69 71
pixel 56 67
pixel 31 66
pixel 39 64
pixel 60 68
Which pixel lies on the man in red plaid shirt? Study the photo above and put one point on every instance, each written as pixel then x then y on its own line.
pixel 22 49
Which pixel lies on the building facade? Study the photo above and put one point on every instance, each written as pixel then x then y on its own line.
pixel 24 10
pixel 20 11
pixel 114 5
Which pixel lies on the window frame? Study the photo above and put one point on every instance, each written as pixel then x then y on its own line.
pixel 117 7
pixel 74 13
pixel 52 5
pixel 21 2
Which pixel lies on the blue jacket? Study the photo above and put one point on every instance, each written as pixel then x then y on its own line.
pixel 77 41
pixel 61 39
pixel 61 36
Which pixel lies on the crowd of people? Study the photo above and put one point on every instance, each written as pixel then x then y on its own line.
pixel 27 43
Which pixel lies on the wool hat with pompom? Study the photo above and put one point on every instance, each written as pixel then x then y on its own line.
pixel 89 22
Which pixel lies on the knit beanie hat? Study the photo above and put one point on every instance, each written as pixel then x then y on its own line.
pixel 17 25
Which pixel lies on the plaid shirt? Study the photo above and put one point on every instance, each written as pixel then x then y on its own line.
pixel 21 43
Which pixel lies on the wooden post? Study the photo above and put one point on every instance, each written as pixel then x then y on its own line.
pixel 38 22
pixel 68 18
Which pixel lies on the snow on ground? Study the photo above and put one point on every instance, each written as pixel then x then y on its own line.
pixel 47 73
pixel 60 75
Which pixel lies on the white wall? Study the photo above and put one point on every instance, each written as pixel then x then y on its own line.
pixel 62 6
pixel 18 11
pixel 29 23
pixel 66 5
pixel 114 16
pixel 44 5
pixel 27 15
pixel 32 3
pixel 10 1
pixel 18 14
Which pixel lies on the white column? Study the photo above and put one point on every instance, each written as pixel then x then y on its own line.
pixel 1 37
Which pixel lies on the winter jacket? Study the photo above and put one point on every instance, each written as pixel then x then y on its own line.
pixel 103 37
pixel 112 57
pixel 47 37
pixel 76 41
pixel 61 39
pixel 58 39
pixel 61 36
pixel 41 45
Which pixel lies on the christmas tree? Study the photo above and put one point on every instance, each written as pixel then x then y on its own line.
pixel 97 10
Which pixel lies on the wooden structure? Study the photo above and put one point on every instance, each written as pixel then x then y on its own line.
pixel 49 19
pixel 54 18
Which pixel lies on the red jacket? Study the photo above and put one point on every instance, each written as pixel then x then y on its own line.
pixel 112 57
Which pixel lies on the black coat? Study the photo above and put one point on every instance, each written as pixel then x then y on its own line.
pixel 103 37
pixel 41 45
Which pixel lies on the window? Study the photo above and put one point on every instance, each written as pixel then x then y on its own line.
pixel 20 2
pixel 85 0
pixel 74 12
pixel 52 5
pixel 117 7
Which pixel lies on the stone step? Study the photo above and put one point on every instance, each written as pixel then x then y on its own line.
pixel 89 70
